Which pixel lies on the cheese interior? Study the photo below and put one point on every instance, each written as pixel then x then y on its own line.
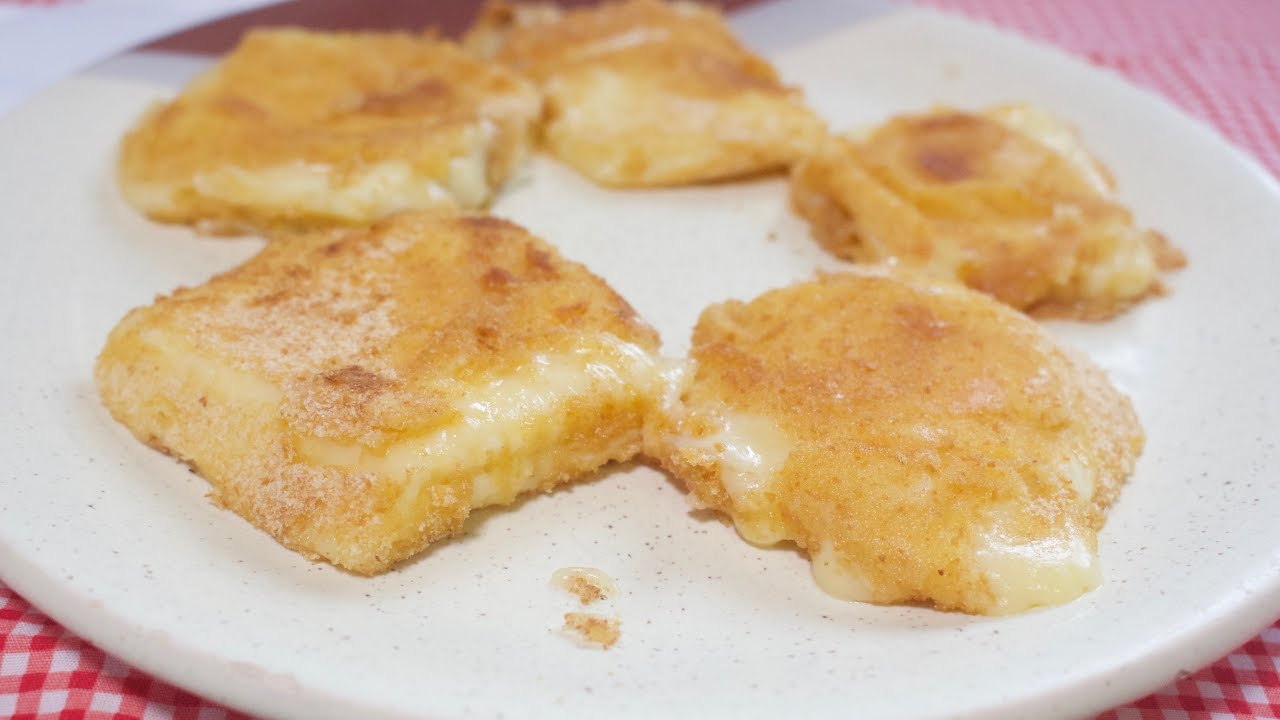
pixel 1047 571
pixel 509 427
pixel 375 191
pixel 220 380
pixel 750 450
pixel 508 430
pixel 1128 267
pixel 1055 135
pixel 838 578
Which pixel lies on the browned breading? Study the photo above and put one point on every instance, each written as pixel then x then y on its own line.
pixel 299 129
pixel 922 442
pixel 594 629
pixel 1006 201
pixel 649 93
pixel 356 393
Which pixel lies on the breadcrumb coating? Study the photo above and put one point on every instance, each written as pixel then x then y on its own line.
pixel 922 442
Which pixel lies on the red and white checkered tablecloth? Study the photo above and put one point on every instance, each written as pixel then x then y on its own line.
pixel 1218 60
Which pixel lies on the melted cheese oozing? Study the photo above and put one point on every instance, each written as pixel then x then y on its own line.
pixel 566 578
pixel 1055 135
pixel 502 423
pixel 381 189
pixel 837 578
pixel 1047 571
pixel 467 179
pixel 1129 268
pixel 750 450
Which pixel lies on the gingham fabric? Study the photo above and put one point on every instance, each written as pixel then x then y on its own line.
pixel 1217 59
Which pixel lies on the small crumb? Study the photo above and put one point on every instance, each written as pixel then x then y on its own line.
pixel 593 629
pixel 773 236
pixel 588 584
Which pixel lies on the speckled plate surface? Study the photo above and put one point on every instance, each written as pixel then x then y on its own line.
pixel 119 543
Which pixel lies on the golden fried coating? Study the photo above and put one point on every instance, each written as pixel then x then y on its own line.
pixel 356 393
pixel 647 93
pixel 1006 201
pixel 297 129
pixel 922 442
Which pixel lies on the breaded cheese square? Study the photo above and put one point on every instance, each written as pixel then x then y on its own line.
pixel 297 129
pixel 922 442
pixel 647 93
pixel 1007 201
pixel 357 392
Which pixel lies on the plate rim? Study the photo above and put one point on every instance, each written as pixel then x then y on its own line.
pixel 1238 616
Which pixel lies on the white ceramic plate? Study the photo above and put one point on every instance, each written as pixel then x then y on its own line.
pixel 119 543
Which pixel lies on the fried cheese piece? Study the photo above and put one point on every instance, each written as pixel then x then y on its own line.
pixel 1007 201
pixel 644 93
pixel 356 393
pixel 297 129
pixel 920 441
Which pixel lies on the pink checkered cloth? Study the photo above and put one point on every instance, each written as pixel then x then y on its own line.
pixel 1219 61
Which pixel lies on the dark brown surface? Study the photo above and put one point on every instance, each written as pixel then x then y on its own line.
pixel 451 16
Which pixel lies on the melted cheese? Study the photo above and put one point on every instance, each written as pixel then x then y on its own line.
pixel 382 189
pixel 1055 135
pixel 1128 269
pixel 1129 266
pixel 568 579
pixel 500 423
pixel 1081 479
pixel 379 190
pixel 1047 571
pixel 750 450
pixel 467 178
pixel 219 379
pixel 837 578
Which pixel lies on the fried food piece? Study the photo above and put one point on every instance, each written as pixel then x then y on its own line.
pixel 1006 201
pixel 644 93
pixel 920 441
pixel 297 129
pixel 356 393
pixel 591 629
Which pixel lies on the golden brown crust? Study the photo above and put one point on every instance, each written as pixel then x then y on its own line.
pixel 972 197
pixel 349 110
pixel 915 412
pixel 648 93
pixel 361 339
